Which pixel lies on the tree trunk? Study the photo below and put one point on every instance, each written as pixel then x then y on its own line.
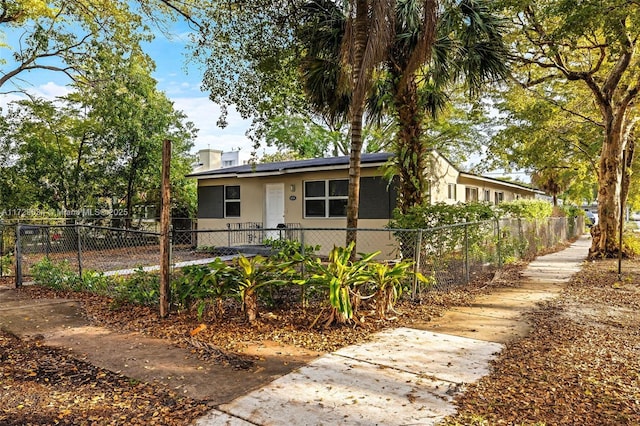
pixel 250 303
pixel 410 150
pixel 609 181
pixel 353 202
pixel 356 111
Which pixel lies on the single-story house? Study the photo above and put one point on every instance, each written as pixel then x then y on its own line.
pixel 313 193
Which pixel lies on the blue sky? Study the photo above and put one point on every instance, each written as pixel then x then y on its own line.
pixel 177 78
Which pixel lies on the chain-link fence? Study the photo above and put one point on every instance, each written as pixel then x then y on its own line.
pixel 447 256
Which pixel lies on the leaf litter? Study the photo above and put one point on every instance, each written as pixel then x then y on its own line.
pixel 579 365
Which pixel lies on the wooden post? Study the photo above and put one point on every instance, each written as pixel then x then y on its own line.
pixel 165 209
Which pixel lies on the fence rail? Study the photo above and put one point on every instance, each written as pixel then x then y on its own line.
pixel 452 255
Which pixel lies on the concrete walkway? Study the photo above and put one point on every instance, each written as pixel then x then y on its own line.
pixel 405 376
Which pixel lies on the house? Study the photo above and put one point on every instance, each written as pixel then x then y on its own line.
pixel 313 194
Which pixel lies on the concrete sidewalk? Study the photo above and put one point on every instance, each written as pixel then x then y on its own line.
pixel 405 376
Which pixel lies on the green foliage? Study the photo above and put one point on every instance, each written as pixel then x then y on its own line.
pixel 525 209
pixel 203 286
pixel 142 288
pixel 6 263
pixel 443 240
pixel 389 281
pixel 255 273
pixel 94 282
pixel 341 277
pixel 631 244
pixel 58 276
pixel 290 249
pixel 427 216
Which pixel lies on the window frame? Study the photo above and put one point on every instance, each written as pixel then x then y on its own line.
pixel 498 197
pixel 326 199
pixel 228 201
pixel 469 190
pixel 452 191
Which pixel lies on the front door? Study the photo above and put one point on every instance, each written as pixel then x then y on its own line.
pixel 274 208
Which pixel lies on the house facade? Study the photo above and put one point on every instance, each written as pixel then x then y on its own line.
pixel 313 193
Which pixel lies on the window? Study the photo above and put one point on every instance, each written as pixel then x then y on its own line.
pixel 232 201
pixel 471 195
pixel 326 198
pixel 378 197
pixel 451 191
pixel 211 202
pixel 499 197
pixel 487 195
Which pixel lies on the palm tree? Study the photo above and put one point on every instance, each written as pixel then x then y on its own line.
pixel 406 51
pixel 468 48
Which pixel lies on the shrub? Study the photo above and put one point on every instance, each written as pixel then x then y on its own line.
pixel 202 287
pixel 142 288
pixel 630 244
pixel 57 276
pixel 525 209
pixel 6 262
pixel 435 215
pixel 253 274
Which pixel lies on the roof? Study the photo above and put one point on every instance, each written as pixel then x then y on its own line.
pixel 296 166
pixel 328 163
pixel 500 181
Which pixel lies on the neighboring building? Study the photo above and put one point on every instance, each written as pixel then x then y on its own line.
pixel 313 193
pixel 214 159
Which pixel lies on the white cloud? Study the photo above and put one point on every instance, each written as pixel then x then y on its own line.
pixel 204 114
pixel 200 110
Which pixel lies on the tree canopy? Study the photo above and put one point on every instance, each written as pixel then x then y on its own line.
pixel 592 46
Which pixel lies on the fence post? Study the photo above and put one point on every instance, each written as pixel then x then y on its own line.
pixel 47 241
pixel 18 257
pixel 466 253
pixel 78 233
pixel 416 266
pixel 499 243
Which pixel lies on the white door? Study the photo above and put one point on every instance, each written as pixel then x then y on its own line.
pixel 274 208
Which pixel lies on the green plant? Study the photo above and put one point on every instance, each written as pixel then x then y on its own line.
pixel 202 286
pixel 6 262
pixel 58 276
pixel 94 282
pixel 389 280
pixel 631 244
pixel 290 249
pixel 142 288
pixel 255 273
pixel 341 277
pixel 525 209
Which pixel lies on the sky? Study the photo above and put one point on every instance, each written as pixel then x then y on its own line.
pixel 180 79
pixel 177 78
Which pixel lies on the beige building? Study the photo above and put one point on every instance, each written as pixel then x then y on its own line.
pixel 313 194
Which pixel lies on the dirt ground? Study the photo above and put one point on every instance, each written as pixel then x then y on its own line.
pixel 578 366
pixel 127 352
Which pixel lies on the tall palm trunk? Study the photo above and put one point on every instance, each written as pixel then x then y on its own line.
pixel 411 151
pixel 356 111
